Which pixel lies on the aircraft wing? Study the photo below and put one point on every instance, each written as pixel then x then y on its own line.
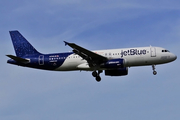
pixel 92 58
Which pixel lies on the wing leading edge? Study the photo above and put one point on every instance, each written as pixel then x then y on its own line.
pixel 92 58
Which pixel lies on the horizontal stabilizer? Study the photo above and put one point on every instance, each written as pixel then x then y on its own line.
pixel 18 59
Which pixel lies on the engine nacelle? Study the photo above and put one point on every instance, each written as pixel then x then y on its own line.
pixel 117 72
pixel 114 63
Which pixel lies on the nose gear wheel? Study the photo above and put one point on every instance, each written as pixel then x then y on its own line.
pixel 154 72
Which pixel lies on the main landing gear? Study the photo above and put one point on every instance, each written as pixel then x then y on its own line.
pixel 154 72
pixel 96 75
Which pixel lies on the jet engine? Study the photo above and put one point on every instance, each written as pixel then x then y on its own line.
pixel 117 72
pixel 114 63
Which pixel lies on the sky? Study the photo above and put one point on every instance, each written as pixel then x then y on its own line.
pixel 31 94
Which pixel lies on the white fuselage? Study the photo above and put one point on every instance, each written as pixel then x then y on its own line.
pixel 139 56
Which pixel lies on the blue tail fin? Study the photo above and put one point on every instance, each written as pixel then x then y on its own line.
pixel 21 46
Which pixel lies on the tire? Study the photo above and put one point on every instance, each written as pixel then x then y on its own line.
pixel 98 78
pixel 94 74
pixel 154 72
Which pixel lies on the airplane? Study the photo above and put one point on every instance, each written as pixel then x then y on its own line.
pixel 114 62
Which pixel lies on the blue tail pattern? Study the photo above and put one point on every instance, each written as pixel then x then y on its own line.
pixel 21 46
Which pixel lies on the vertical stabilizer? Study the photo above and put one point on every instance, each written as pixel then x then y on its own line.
pixel 21 46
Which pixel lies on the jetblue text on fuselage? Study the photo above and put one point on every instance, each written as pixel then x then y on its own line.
pixel 133 52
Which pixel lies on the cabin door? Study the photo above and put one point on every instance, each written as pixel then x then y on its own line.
pixel 41 60
pixel 153 52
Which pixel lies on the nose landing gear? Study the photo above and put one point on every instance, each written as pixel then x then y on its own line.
pixel 96 75
pixel 154 72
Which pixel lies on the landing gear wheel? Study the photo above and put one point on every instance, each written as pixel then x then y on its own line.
pixel 98 78
pixel 154 72
pixel 94 74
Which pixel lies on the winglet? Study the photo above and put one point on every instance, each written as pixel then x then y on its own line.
pixel 66 43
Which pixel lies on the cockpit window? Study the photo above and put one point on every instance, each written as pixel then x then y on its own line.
pixel 165 50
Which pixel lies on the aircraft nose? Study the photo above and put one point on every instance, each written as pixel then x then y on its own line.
pixel 174 57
